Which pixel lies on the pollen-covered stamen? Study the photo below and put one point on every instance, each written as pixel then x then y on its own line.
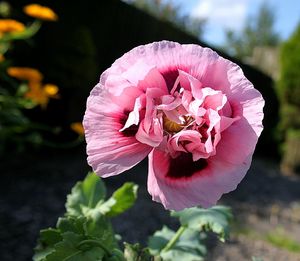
pixel 174 127
pixel 171 126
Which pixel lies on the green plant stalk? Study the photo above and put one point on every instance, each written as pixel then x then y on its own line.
pixel 28 33
pixel 95 243
pixel 174 239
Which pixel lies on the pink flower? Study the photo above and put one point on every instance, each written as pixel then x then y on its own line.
pixel 193 112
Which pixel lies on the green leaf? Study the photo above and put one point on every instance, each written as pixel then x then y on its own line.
pixel 188 247
pixel 71 224
pixel 77 238
pixel 22 89
pixel 69 250
pixel 160 239
pixel 88 198
pixel 117 255
pixel 48 238
pixel 100 228
pixel 121 200
pixel 215 219
pixel 26 34
pixel 136 253
pixel 85 194
pixel 41 254
pixel 96 227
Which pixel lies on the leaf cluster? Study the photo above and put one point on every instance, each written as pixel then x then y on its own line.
pixel 190 243
pixel 85 232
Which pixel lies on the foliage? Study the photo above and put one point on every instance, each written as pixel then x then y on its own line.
pixel 88 198
pixel 289 82
pixel 188 247
pixel 279 239
pixel 257 259
pixel 167 11
pixel 22 88
pixel 258 31
pixel 15 126
pixel 288 87
pixel 85 231
pixel 215 219
pixel 137 253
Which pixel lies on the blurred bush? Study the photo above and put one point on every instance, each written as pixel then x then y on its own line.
pixel 22 88
pixel 289 93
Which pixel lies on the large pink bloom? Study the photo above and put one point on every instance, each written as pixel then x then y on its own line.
pixel 193 112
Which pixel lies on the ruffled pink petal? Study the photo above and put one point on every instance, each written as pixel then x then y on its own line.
pixel 134 116
pixel 110 151
pixel 237 142
pixel 139 75
pixel 152 137
pixel 150 131
pixel 187 141
pixel 181 183
pixel 145 76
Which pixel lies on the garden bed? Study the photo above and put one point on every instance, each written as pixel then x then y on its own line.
pixel 34 187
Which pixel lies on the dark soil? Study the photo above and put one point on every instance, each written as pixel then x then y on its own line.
pixel 34 187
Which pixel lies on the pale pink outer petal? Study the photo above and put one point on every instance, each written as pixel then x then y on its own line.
pixel 202 189
pixel 109 151
pixel 139 74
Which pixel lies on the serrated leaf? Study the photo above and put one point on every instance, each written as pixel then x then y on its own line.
pixel 122 199
pixel 41 254
pixel 71 224
pixel 68 250
pixel 188 247
pixel 96 227
pixel 100 229
pixel 48 238
pixel 160 239
pixel 136 253
pixel 85 194
pixel 215 219
pixel 63 243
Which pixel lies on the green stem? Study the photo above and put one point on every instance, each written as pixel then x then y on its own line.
pixel 174 239
pixel 96 243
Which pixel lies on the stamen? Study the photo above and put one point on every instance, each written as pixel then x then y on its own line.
pixel 171 126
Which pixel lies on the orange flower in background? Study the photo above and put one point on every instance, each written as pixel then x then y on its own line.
pixel 41 94
pixel 25 74
pixel 11 26
pixel 40 12
pixel 2 58
pixel 51 89
pixel 78 128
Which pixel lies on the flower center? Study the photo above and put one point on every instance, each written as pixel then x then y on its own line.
pixel 174 127
pixel 171 126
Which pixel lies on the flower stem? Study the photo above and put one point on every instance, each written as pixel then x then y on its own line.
pixel 174 239
pixel 95 243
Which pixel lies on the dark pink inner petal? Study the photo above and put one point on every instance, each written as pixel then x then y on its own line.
pixel 183 166
pixel 131 130
pixel 170 77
